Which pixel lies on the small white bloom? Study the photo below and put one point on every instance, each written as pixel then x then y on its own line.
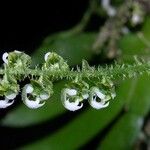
pixel 66 96
pixel 5 58
pixel 46 56
pixel 33 104
pixel 5 103
pixel 96 93
pixel 98 105
pixel 72 106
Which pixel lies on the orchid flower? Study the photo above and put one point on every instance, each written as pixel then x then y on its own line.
pixel 98 99
pixel 69 94
pixel 33 104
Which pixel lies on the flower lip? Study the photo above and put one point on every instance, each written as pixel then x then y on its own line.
pixel 96 93
pixel 5 103
pixel 4 57
pixel 72 106
pixel 67 95
pixel 33 104
pixel 98 105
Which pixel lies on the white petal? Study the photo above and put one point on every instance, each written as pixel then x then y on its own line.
pixel 28 88
pixel 46 56
pixel 4 57
pixel 33 104
pixel 98 105
pixel 11 96
pixel 71 92
pixel 98 93
pixel 72 106
pixel 5 103
pixel 44 96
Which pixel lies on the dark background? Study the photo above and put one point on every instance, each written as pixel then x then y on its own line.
pixel 24 25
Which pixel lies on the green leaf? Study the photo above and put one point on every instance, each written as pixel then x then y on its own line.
pixel 127 129
pixel 72 48
pixel 145 28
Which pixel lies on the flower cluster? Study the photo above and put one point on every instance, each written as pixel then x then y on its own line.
pixel 40 88
pixel 74 95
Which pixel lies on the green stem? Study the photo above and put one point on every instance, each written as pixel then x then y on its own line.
pixel 113 72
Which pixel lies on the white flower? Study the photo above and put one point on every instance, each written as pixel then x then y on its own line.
pixel 72 106
pixel 46 56
pixel 111 11
pixel 97 99
pixel 67 95
pixel 33 104
pixel 5 103
pixel 5 58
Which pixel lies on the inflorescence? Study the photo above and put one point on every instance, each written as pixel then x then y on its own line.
pixel 85 83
